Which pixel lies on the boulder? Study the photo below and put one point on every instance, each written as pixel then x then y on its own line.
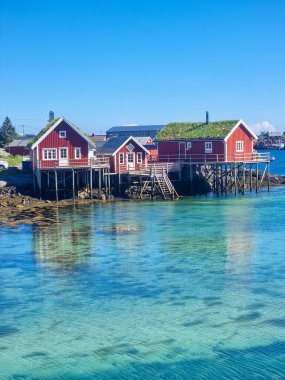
pixel 3 184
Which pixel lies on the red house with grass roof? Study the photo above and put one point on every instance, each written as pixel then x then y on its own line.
pixel 61 145
pixel 219 141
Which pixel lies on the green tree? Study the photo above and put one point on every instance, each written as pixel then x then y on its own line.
pixel 7 132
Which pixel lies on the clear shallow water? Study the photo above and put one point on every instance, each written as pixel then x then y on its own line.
pixel 192 289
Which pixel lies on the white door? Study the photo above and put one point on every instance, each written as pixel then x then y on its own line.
pixel 63 157
pixel 131 161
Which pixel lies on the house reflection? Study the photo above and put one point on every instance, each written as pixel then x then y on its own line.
pixel 241 246
pixel 66 239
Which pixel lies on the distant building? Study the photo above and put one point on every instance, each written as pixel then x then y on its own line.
pixel 271 140
pixel 135 131
pixel 19 146
pixel 99 140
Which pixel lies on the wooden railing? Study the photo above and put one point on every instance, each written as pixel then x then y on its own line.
pixel 93 162
pixel 211 157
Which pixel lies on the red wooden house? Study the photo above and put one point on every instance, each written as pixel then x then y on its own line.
pixel 221 141
pixel 125 154
pixel 61 145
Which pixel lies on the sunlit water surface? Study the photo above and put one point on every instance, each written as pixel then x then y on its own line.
pixel 192 289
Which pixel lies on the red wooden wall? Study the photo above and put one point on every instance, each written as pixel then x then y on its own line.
pixel 72 140
pixel 240 134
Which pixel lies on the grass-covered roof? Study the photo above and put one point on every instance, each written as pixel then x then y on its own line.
pixel 42 132
pixel 49 126
pixel 196 130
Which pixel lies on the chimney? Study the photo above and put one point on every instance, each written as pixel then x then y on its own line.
pixel 207 117
pixel 51 116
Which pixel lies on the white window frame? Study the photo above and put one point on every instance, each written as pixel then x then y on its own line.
pixel 208 147
pixel 62 134
pixel 188 145
pixel 59 155
pixel 239 146
pixel 139 157
pixel 46 150
pixel 75 150
pixel 121 155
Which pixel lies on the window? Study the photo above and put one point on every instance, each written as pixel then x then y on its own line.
pixel 208 147
pixel 62 134
pixel 62 152
pixel 77 153
pixel 189 145
pixel 130 147
pixel 139 157
pixel 239 146
pixel 122 158
pixel 49 154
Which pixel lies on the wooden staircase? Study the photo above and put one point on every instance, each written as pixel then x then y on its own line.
pixel 161 182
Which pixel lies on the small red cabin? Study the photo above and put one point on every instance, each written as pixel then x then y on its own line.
pixel 125 154
pixel 61 145
pixel 225 141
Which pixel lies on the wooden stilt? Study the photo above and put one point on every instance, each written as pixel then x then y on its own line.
pixel 226 178
pixel 109 182
pixel 91 184
pixel 243 178
pixel 77 182
pixel 217 179
pixel 100 183
pixel 268 176
pixel 257 175
pixel 40 184
pixel 235 178
pixel 56 185
pixel 34 183
pixel 250 178
pixel 73 185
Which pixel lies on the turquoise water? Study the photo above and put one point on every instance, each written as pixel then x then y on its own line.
pixel 192 289
pixel 278 165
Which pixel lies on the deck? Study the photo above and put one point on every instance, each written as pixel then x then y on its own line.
pixel 70 164
pixel 210 158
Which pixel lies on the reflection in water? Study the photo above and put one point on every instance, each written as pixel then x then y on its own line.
pixel 64 242
pixel 240 224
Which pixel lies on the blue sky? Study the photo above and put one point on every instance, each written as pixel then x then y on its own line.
pixel 110 62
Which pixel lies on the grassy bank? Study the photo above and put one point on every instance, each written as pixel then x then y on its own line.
pixel 13 161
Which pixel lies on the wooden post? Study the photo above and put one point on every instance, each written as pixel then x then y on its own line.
pixel 217 179
pixel 243 178
pixel 77 182
pixel 34 183
pixel 100 183
pixel 226 178
pixel 109 182
pixel 73 185
pixel 56 185
pixel 250 178
pixel 40 183
pixel 222 178
pixel 48 179
pixel 268 176
pixel 235 178
pixel 91 184
pixel 256 187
